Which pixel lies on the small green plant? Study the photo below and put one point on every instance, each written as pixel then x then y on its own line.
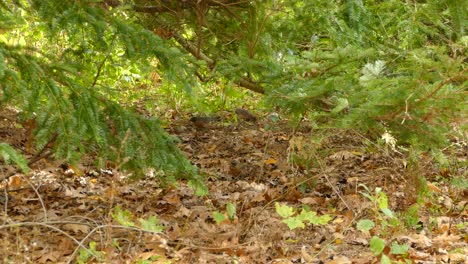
pixel 124 217
pixel 412 218
pixel 380 208
pixel 297 220
pixel 86 255
pixel 230 213
pixel 377 246
pixel 365 225
pixel 151 260
pixel 386 218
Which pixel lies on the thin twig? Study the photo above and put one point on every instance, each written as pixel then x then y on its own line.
pixel 38 196
pixel 47 225
pixel 5 206
pixel 80 243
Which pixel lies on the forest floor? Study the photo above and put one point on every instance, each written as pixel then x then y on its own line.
pixel 252 170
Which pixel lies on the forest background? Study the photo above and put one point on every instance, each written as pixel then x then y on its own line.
pixel 111 80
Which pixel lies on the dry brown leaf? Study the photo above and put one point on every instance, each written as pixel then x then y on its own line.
pixel 182 212
pixel 73 193
pixel 421 241
pixel 16 182
pixel 309 200
pixel 270 161
pixel 433 187
pixel 458 258
pixel 52 256
pixel 259 198
pixel 172 198
pixel 342 155
pixel 445 239
pixel 340 260
pixel 306 256
pixel 77 228
pixel 160 254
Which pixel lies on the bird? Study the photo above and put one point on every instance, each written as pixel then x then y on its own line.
pixel 245 115
pixel 204 121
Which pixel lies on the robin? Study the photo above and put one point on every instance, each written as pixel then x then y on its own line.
pixel 245 115
pixel 204 121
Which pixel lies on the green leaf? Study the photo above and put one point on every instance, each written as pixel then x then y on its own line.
pixel 199 187
pixel 377 245
pixel 293 223
pixel 324 219
pixel 365 225
pixel 307 216
pixel 385 259
pixel 231 210
pixel 397 249
pixel 388 212
pixel 284 210
pixel 342 103
pixel 382 202
pixel 122 217
pixel 115 243
pixel 151 224
pixel 218 217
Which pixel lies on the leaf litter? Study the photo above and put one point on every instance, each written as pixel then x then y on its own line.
pixel 54 214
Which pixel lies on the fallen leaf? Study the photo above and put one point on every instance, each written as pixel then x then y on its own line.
pixel 182 212
pixel 309 200
pixel 342 155
pixel 51 256
pixel 306 256
pixel 433 187
pixel 77 228
pixel 340 260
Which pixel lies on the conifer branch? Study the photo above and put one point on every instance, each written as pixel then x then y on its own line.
pixel 192 49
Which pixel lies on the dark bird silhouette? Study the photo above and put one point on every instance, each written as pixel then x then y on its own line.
pixel 245 115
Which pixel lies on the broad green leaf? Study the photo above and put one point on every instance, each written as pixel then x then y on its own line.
pixel 365 225
pixel 284 210
pixel 385 259
pixel 382 200
pixel 307 216
pixel 231 210
pixel 306 208
pixel 397 249
pixel 122 217
pixel 218 217
pixel 151 224
pixel 321 220
pixel 377 245
pixel 293 223
pixel 388 212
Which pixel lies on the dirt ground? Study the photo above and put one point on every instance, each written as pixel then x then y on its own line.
pixel 49 215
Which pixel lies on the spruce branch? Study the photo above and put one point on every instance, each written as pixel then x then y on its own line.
pixel 192 49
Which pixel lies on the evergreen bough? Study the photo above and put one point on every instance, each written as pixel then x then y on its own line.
pixel 376 66
pixel 63 85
